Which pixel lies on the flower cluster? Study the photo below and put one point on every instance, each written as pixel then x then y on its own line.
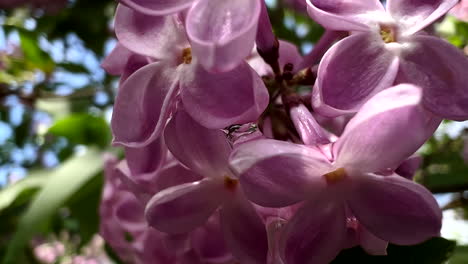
pixel 229 159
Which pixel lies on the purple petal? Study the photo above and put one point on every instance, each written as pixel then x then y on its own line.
pixel 417 14
pixel 244 231
pixel 115 62
pixel 288 53
pixel 309 130
pixel 370 243
pixel 316 234
pixel 205 151
pixel 222 33
pixel 208 242
pixel 129 212
pixel 345 15
pixel 388 129
pixel 158 7
pixel 395 209
pixel 145 185
pixel 143 105
pixel 174 174
pixel 277 173
pixel 159 37
pixel 146 159
pixel 440 69
pixel 182 208
pixel 409 167
pixel 222 99
pixel 351 72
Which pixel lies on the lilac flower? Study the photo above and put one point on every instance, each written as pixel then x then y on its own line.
pixel 222 33
pixel 147 98
pixel 288 54
pixel 184 207
pixel 124 228
pixel 329 178
pixel 387 47
pixel 123 62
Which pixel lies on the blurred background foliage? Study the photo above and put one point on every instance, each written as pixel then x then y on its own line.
pixel 55 107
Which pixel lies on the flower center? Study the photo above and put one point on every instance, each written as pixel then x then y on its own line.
pixel 230 183
pixel 187 55
pixel 387 33
pixel 335 176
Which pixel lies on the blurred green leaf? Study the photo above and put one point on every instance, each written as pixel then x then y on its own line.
pixel 63 184
pixel 434 251
pixel 73 67
pixel 84 207
pixel 34 56
pixel 460 255
pixel 444 169
pixel 28 185
pixel 84 129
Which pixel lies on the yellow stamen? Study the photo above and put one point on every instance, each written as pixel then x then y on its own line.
pixel 387 34
pixel 187 55
pixel 335 176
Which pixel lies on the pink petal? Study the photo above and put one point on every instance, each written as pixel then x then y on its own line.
pixel 159 37
pixel 174 174
pixel 129 212
pixel 388 129
pixel 440 69
pixel 121 61
pixel 143 105
pixel 309 130
pixel 115 62
pixel 352 71
pixel 370 243
pixel 344 14
pixel 146 159
pixel 316 234
pixel 208 242
pixel 288 53
pixel 158 7
pixel 395 209
pixel 222 99
pixel 276 173
pixel 222 33
pixel 409 167
pixel 417 14
pixel 182 208
pixel 205 151
pixel 244 231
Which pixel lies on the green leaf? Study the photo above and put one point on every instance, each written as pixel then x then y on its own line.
pixel 73 67
pixel 460 255
pixel 444 169
pixel 434 251
pixel 64 183
pixel 33 54
pixel 84 129
pixel 27 185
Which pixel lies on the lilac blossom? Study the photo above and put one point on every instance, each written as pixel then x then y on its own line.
pixel 147 98
pixel 124 227
pixel 331 178
pixel 184 207
pixel 221 33
pixel 385 48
